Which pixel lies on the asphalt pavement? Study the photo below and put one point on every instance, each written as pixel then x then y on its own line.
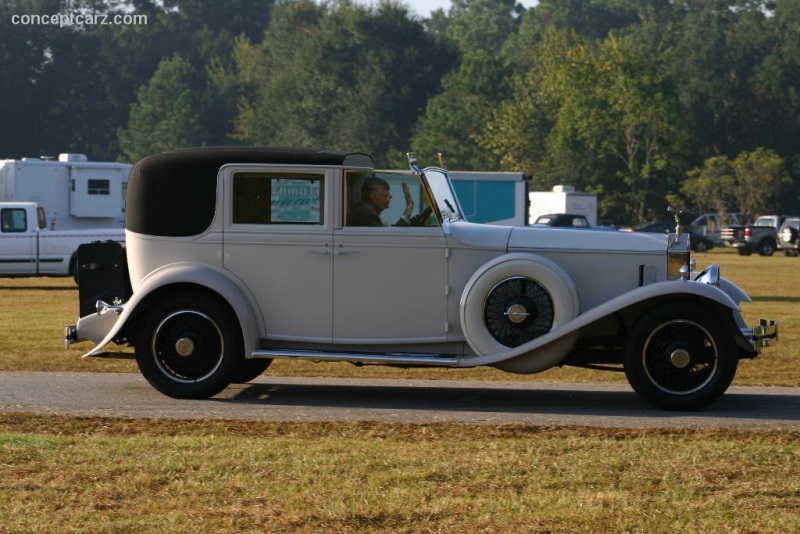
pixel 128 395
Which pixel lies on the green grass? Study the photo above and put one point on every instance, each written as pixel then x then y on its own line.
pixel 95 475
pixel 128 475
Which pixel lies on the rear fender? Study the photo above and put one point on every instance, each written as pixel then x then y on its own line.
pixel 247 312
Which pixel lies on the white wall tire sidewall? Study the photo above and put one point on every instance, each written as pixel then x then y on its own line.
pixel 549 275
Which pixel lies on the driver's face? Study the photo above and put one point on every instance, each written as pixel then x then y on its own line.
pixel 381 199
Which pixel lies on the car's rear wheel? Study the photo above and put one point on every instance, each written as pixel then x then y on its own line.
pixel 680 356
pixel 189 346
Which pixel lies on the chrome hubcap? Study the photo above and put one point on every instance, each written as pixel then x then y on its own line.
pixel 184 347
pixel 680 358
pixel 517 313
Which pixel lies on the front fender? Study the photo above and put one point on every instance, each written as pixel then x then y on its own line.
pixel 672 289
pixel 247 313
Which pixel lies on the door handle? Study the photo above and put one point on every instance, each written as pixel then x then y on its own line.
pixel 325 252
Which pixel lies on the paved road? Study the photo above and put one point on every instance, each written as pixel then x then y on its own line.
pixel 414 401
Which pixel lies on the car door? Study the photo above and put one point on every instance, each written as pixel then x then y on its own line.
pixel 390 281
pixel 17 242
pixel 278 243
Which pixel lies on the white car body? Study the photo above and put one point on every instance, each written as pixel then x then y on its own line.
pixel 292 276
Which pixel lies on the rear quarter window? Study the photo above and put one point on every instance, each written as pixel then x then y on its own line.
pixel 278 198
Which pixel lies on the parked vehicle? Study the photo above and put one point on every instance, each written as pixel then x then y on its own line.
pixel 78 193
pixel 787 235
pixel 699 243
pixel 568 220
pixel 237 256
pixel 29 248
pixel 710 225
pixel 563 199
pixel 761 236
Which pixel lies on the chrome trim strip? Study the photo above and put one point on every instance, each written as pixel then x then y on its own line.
pixel 398 358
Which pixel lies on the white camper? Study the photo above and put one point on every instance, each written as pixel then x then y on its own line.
pixel 78 193
pixel 563 199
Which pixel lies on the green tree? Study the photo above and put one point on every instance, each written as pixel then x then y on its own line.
pixel 165 115
pixel 752 182
pixel 339 76
pixel 455 119
pixel 614 122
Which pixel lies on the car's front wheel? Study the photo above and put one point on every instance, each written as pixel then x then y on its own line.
pixel 680 356
pixel 189 347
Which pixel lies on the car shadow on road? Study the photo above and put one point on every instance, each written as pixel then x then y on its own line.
pixel 528 400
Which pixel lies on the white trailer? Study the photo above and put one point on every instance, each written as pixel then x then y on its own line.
pixel 78 194
pixel 563 199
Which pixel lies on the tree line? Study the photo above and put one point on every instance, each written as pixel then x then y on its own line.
pixel 692 103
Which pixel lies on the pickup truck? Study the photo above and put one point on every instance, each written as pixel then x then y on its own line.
pixel 28 248
pixel 761 236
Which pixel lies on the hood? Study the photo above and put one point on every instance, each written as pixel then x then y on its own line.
pixel 483 236
pixel 548 238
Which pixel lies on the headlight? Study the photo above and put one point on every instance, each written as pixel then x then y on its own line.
pixel 678 257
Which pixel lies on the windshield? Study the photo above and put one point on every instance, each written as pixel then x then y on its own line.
pixel 446 200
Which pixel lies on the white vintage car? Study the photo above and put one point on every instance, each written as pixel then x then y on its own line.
pixel 238 256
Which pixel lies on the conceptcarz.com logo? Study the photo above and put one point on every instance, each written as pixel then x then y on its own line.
pixel 80 19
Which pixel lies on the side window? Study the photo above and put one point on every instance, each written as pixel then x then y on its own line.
pixel 272 198
pixel 98 187
pixel 14 220
pixel 386 199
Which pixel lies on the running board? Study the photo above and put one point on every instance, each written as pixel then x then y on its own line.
pixel 396 358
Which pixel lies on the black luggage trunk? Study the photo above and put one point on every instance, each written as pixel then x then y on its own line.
pixel 102 275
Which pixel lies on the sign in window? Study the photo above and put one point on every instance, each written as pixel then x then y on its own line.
pixel 277 198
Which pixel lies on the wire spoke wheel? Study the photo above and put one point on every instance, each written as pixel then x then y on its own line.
pixel 518 310
pixel 680 357
pixel 188 346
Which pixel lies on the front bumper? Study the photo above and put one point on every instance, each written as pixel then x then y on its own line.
pixel 763 335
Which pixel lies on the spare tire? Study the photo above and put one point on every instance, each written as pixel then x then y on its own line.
pixel 513 300
pixel 788 234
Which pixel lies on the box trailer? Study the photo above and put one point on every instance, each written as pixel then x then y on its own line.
pixel 492 197
pixel 563 199
pixel 76 192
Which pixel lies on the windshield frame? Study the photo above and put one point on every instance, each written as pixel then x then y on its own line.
pixel 448 208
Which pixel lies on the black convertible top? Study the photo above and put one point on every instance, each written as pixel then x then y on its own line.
pixel 174 193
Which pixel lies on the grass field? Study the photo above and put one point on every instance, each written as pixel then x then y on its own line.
pixel 116 475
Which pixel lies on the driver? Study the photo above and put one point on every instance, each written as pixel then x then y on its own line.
pixel 375 198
